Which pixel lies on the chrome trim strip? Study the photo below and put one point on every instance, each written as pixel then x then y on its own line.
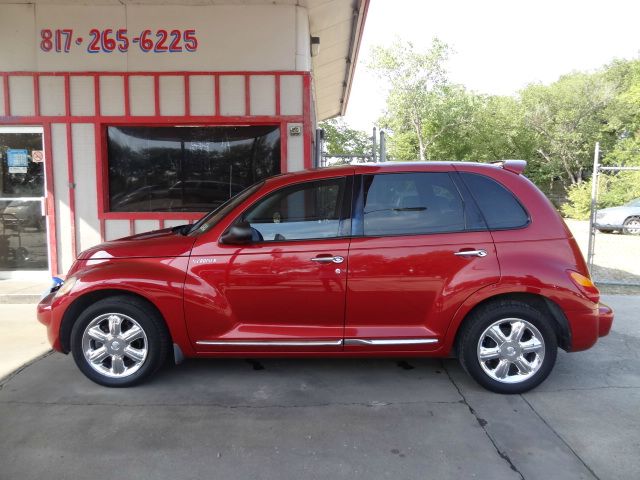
pixel 388 341
pixel 320 343
pixel 271 343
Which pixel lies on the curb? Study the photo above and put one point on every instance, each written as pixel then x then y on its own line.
pixel 20 298
pixel 6 378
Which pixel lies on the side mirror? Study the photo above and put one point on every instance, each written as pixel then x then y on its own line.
pixel 239 234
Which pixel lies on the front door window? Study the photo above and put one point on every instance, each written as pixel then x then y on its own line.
pixel 311 210
pixel 23 238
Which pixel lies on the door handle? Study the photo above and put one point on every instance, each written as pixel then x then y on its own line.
pixel 336 259
pixel 471 253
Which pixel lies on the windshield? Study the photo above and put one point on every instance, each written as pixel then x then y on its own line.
pixel 634 203
pixel 213 217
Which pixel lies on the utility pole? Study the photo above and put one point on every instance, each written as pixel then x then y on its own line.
pixel 383 146
pixel 373 150
pixel 318 160
pixel 594 202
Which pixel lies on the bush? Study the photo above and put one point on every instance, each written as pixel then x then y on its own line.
pixel 579 201
pixel 614 189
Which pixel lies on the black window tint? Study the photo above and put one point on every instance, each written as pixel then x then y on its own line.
pixel 498 205
pixel 304 211
pixel 411 203
pixel 187 169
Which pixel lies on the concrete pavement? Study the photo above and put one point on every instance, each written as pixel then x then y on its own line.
pixel 22 338
pixel 281 419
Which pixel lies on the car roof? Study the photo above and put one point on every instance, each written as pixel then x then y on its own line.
pixel 411 166
pixel 399 167
pixel 408 166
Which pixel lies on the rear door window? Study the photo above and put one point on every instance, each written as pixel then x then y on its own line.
pixel 411 204
pixel 500 208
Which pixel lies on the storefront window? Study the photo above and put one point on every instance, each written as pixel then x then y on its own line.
pixel 187 169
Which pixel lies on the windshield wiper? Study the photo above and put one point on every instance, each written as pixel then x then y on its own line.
pixel 398 209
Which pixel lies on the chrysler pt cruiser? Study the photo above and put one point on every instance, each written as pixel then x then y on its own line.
pixel 427 260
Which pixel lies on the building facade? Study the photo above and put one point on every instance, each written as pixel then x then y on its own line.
pixel 121 118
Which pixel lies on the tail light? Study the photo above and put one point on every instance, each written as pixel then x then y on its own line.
pixel 585 285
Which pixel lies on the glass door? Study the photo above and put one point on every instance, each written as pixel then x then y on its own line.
pixel 23 226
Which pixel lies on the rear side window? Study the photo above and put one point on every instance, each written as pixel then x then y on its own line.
pixel 500 208
pixel 411 204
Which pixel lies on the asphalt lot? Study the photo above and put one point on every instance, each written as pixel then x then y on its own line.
pixel 293 419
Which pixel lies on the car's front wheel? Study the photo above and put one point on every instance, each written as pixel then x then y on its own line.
pixel 508 346
pixel 632 226
pixel 119 341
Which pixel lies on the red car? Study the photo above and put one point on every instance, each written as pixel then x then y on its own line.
pixel 396 260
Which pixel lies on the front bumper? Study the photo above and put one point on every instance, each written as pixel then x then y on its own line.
pixel 609 224
pixel 44 313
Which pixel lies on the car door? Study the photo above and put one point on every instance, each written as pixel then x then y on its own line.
pixel 420 248
pixel 284 291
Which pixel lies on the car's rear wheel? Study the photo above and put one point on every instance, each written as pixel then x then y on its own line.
pixel 508 346
pixel 631 226
pixel 119 341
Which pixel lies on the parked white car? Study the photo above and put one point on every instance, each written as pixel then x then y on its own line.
pixel 625 218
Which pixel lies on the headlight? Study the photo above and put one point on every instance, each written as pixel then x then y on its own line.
pixel 66 286
pixel 56 283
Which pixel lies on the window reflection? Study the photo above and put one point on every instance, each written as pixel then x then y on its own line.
pixel 192 169
pixel 305 211
pixel 411 204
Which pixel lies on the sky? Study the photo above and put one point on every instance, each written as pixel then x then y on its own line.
pixel 500 45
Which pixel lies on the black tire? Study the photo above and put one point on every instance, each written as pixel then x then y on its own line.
pixel 481 319
pixel 157 339
pixel 631 226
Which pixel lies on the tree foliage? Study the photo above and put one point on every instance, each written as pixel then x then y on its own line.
pixel 554 127
pixel 566 119
pixel 340 139
pixel 422 106
pixel 614 188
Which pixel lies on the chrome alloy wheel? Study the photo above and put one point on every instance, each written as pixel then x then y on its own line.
pixel 511 350
pixel 115 345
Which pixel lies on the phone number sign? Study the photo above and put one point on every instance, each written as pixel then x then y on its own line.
pixel 108 40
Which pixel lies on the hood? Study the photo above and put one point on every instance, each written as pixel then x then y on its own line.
pixel 159 243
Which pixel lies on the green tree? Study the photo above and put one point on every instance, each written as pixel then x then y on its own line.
pixel 554 127
pixel 614 188
pixel 623 114
pixel 422 105
pixel 567 118
pixel 340 139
